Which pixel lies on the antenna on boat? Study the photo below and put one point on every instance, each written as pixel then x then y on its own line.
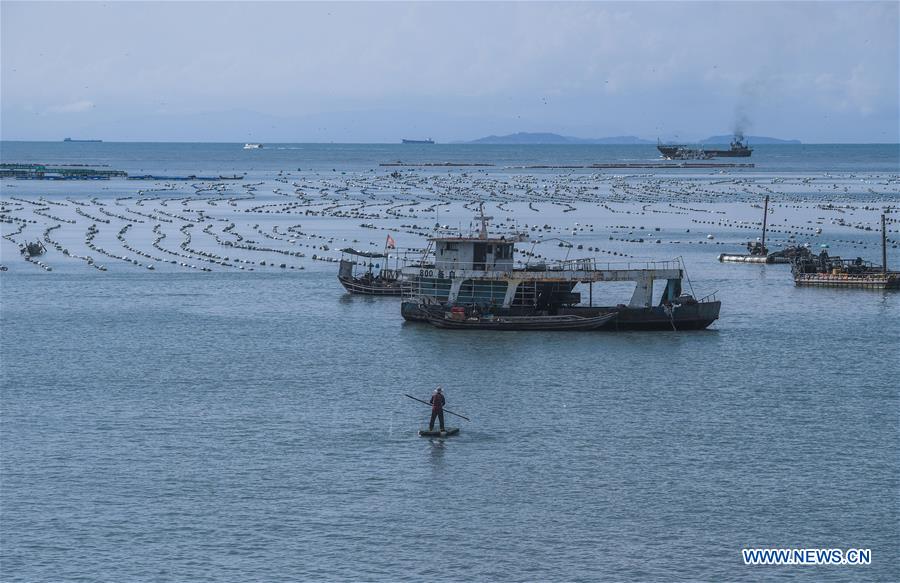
pixel 484 230
pixel 686 276
pixel 883 246
pixel 765 218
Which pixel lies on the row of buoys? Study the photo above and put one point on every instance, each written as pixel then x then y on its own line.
pixel 346 197
pixel 91 217
pixel 43 212
pixel 157 243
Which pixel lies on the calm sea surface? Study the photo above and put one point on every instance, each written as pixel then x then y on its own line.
pixel 233 426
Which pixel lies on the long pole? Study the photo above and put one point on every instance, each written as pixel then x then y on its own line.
pixel 445 410
pixel 883 245
pixel 765 218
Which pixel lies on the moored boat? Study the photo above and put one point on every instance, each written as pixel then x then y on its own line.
pixel 360 274
pixel 823 270
pixel 478 273
pixel 32 249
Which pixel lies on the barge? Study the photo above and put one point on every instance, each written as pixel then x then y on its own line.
pixel 476 276
pixel 823 270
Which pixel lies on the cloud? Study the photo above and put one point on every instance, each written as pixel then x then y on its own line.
pixel 74 107
pixel 643 68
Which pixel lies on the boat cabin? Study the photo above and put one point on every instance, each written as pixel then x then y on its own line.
pixel 458 253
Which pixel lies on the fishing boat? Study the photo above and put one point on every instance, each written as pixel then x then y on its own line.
pixel 360 274
pixel 757 252
pixel 823 270
pixel 32 249
pixel 478 273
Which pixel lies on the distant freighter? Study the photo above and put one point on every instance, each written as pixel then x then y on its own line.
pixel 428 141
pixel 739 149
pixel 71 140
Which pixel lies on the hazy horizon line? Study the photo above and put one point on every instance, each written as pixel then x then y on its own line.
pixel 399 143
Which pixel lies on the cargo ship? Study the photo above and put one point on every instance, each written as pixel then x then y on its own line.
pixel 428 141
pixel 474 279
pixel 83 141
pixel 738 149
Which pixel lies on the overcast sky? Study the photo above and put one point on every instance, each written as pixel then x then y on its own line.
pixel 376 72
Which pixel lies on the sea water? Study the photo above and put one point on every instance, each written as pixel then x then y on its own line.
pixel 234 425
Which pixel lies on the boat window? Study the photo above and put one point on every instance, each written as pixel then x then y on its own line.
pixel 479 255
pixel 451 246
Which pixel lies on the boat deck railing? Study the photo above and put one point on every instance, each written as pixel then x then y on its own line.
pixel 711 297
pixel 593 264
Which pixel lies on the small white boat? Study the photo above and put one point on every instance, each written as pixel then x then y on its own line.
pixel 253 146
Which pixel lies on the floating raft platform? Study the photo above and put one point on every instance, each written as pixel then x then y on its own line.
pixel 85 172
pixel 888 280
pixel 742 258
pixel 611 165
pixel 440 164
pixel 191 177
pixel 663 165
pixel 438 433
pixel 61 172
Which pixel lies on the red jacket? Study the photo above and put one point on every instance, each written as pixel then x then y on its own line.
pixel 437 402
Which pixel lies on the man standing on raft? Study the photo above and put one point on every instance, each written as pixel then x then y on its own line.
pixel 437 408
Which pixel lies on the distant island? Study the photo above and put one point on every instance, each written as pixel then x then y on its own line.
pixel 550 138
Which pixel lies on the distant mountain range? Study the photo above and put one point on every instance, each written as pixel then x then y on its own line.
pixel 549 138
pixel 726 139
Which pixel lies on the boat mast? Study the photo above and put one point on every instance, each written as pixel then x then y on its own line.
pixel 484 230
pixel 883 246
pixel 765 218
